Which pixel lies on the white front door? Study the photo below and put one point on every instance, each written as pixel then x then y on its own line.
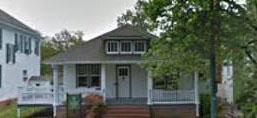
pixel 123 81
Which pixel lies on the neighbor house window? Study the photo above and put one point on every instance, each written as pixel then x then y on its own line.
pixel 139 46
pixel 25 75
pixel 88 75
pixel 112 47
pixel 126 47
pixel 10 53
pixel 37 47
pixel 27 45
pixel 1 38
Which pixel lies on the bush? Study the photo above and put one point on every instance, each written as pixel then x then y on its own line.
pixel 205 106
pixel 95 106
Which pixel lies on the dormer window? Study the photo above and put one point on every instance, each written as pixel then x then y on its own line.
pixel 112 47
pixel 126 47
pixel 139 47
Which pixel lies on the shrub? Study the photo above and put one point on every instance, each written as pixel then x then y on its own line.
pixel 95 106
pixel 205 106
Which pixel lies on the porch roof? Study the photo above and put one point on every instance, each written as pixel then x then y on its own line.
pixel 93 50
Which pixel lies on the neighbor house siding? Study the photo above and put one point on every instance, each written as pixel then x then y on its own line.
pixel 12 73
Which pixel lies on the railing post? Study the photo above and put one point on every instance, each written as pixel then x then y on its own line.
pixel 55 83
pixel 149 87
pixel 103 81
pixel 196 93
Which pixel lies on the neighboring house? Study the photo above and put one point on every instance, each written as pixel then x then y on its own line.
pixel 225 88
pixel 110 65
pixel 19 55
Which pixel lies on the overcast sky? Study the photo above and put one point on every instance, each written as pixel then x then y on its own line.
pixel 93 17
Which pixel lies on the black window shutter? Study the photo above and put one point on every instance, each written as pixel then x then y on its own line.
pixel 7 53
pixel 1 38
pixel 29 45
pixel 16 43
pixel 13 54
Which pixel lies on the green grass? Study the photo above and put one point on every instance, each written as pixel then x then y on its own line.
pixel 10 111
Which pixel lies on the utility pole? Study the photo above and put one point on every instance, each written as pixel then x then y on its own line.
pixel 213 45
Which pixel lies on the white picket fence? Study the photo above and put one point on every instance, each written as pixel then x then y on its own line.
pixel 35 95
pixel 158 96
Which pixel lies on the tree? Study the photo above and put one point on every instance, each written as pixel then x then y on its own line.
pixel 193 31
pixel 136 17
pixel 60 42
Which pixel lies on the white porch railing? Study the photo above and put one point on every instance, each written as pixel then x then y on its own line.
pixel 35 95
pixel 158 96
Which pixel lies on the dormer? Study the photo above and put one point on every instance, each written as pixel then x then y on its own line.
pixel 126 46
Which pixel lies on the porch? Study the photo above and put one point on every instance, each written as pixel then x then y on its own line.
pixel 119 84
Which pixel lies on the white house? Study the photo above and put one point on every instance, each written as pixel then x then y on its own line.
pixel 19 55
pixel 110 65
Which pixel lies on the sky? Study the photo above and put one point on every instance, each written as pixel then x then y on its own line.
pixel 93 17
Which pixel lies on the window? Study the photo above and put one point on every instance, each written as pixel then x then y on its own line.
pixel 25 75
pixel 112 47
pixel 125 46
pixel 10 53
pixel 37 47
pixel 1 38
pixel 26 41
pixel 88 75
pixel 167 83
pixel 20 44
pixel 0 76
pixel 139 46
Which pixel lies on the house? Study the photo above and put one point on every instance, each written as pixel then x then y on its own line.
pixel 19 55
pixel 110 65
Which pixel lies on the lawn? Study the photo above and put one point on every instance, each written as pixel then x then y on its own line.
pixel 10 111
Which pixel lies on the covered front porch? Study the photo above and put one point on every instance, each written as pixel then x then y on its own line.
pixel 118 83
pixel 121 84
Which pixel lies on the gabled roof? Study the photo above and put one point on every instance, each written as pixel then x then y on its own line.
pixel 93 51
pixel 10 21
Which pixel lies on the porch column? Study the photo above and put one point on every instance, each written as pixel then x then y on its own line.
pixel 196 93
pixel 55 86
pixel 149 87
pixel 103 80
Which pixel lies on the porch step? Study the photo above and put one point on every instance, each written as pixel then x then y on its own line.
pixel 127 112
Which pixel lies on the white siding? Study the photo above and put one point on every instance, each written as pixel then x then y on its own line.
pixel 12 75
pixel 69 77
pixel 110 80
pixel 139 81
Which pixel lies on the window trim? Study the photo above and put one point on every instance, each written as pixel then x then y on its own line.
pixel 88 75
pixel 112 52
pixel 131 47
pixel 139 52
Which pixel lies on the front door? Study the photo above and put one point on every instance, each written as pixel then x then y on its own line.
pixel 123 80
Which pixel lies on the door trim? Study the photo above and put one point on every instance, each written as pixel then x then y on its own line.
pixel 117 80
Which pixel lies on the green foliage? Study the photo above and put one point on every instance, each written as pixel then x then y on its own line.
pixel 60 42
pixel 10 111
pixel 186 29
pixel 205 106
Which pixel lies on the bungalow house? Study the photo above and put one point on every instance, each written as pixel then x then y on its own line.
pixel 110 65
pixel 19 55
